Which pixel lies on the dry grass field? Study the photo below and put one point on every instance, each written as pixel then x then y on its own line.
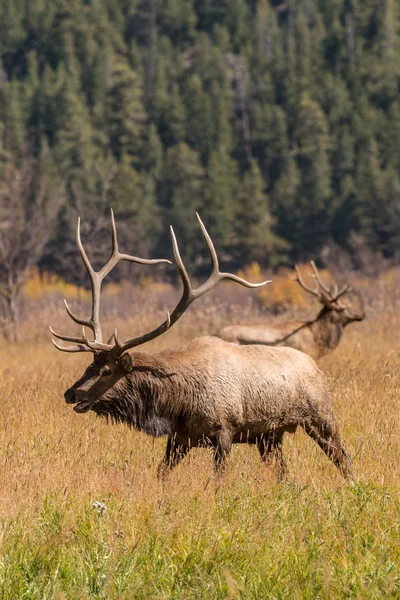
pixel 82 514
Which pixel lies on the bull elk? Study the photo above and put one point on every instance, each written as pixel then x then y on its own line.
pixel 316 337
pixel 207 393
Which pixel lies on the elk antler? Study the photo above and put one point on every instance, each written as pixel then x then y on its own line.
pixel 96 279
pixel 188 296
pixel 324 294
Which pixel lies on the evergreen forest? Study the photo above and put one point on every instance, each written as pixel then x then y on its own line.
pixel 277 120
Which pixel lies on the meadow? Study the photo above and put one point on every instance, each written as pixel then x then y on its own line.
pixel 82 514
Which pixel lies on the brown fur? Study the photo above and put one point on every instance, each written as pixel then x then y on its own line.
pixel 211 392
pixel 315 337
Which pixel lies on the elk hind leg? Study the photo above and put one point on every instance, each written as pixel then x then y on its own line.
pixel 327 437
pixel 174 454
pixel 271 452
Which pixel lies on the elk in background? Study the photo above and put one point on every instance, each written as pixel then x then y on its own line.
pixel 209 392
pixel 339 308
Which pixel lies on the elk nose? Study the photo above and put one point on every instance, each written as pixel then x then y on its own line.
pixel 70 397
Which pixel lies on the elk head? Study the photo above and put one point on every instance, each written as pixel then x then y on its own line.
pixel 344 305
pixel 111 360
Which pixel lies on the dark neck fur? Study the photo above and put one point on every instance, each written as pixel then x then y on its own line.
pixel 140 399
pixel 327 329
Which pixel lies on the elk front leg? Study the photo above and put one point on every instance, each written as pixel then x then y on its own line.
pixel 327 437
pixel 270 449
pixel 223 445
pixel 174 453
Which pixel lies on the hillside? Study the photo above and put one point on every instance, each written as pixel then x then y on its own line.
pixel 278 121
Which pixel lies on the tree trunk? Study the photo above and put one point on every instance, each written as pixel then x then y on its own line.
pixel 11 328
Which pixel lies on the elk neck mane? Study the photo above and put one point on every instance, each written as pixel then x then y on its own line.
pixel 326 329
pixel 155 396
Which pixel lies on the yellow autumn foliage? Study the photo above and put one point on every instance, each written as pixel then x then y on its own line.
pixel 41 285
pixel 284 291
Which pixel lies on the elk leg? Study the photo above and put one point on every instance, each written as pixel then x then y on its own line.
pixel 270 449
pixel 328 438
pixel 174 453
pixel 223 445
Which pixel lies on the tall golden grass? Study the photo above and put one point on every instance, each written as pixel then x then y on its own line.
pixel 82 514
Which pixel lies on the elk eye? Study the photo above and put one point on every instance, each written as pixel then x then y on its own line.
pixel 106 371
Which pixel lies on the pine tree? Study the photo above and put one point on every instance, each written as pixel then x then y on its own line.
pixel 181 195
pixel 125 113
pixel 134 204
pixel 199 127
pixel 172 120
pixel 12 32
pixel 13 115
pixel 370 202
pixel 237 21
pixel 284 201
pixel 254 224
pixel 4 155
pixel 178 20
pixel 313 209
pixel 220 195
pixel 270 139
pixel 221 116
pixel 152 152
pixel 74 144
pixel 267 32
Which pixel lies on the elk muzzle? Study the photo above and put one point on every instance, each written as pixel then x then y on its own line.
pixel 80 398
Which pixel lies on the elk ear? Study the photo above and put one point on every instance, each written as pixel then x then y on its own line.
pixel 126 362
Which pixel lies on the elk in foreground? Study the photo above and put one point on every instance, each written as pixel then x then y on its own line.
pixel 339 308
pixel 209 392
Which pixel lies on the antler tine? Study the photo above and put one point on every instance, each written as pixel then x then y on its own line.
pixel 333 293
pixel 211 248
pixel 112 336
pixel 83 342
pixel 77 348
pixel 146 337
pixel 216 274
pixel 95 282
pixel 342 291
pixel 114 238
pixel 144 261
pixel 318 279
pixel 77 319
pixel 305 287
pixel 189 294
pixel 116 256
pixel 66 338
pixel 187 287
